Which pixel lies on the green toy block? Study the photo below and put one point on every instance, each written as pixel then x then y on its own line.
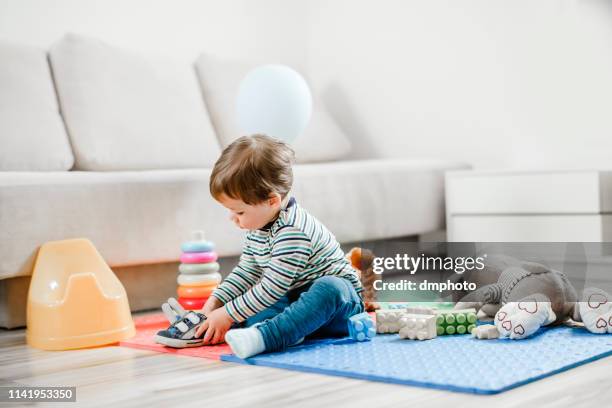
pixel 455 321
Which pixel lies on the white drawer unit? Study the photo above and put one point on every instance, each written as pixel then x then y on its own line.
pixel 536 206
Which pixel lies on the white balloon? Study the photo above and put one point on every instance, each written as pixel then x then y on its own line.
pixel 274 100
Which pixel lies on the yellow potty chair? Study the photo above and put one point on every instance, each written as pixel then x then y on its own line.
pixel 75 300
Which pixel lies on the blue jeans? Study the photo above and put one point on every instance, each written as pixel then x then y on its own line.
pixel 319 309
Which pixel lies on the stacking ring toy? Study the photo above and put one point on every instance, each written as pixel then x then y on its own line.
pixel 192 292
pixel 210 267
pixel 210 285
pixel 198 280
pixel 197 246
pixel 192 304
pixel 198 257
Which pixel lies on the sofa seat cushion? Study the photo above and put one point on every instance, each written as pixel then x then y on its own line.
pixel 32 134
pixel 131 217
pixel 365 200
pixel 143 216
pixel 322 140
pixel 124 111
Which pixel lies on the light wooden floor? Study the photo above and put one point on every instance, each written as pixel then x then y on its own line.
pixel 122 377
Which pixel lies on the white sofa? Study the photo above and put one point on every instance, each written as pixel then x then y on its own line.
pixel 103 143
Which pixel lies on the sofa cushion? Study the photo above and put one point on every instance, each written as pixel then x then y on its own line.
pixel 32 135
pixel 220 80
pixel 142 217
pixel 132 217
pixel 124 111
pixel 363 200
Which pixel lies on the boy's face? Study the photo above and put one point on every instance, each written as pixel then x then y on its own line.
pixel 251 217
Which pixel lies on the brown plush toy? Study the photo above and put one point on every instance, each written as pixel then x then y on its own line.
pixel 362 260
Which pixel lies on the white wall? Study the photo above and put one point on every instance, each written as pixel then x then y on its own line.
pixel 272 29
pixel 500 83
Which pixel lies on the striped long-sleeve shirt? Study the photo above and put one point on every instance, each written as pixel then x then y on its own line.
pixel 289 252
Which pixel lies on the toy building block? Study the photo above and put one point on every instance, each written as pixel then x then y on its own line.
pixel 485 332
pixel 389 320
pixel 418 326
pixel 361 327
pixel 460 321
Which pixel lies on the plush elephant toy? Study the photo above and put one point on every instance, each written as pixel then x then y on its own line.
pixel 522 296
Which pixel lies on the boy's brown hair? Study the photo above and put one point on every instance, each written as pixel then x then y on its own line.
pixel 251 168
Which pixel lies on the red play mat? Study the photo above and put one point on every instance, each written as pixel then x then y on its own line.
pixel 147 326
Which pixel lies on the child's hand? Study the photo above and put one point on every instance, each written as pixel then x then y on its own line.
pixel 217 323
pixel 211 304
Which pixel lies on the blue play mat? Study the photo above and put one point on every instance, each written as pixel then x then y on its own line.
pixel 455 363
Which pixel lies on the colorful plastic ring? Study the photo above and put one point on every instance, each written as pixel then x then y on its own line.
pixel 192 292
pixel 197 246
pixel 192 304
pixel 191 269
pixel 198 257
pixel 210 285
pixel 195 280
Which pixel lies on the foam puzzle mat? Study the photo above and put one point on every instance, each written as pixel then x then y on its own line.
pixel 147 326
pixel 457 363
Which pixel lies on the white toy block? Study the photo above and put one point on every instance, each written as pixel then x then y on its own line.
pixel 389 320
pixel 485 332
pixel 418 327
